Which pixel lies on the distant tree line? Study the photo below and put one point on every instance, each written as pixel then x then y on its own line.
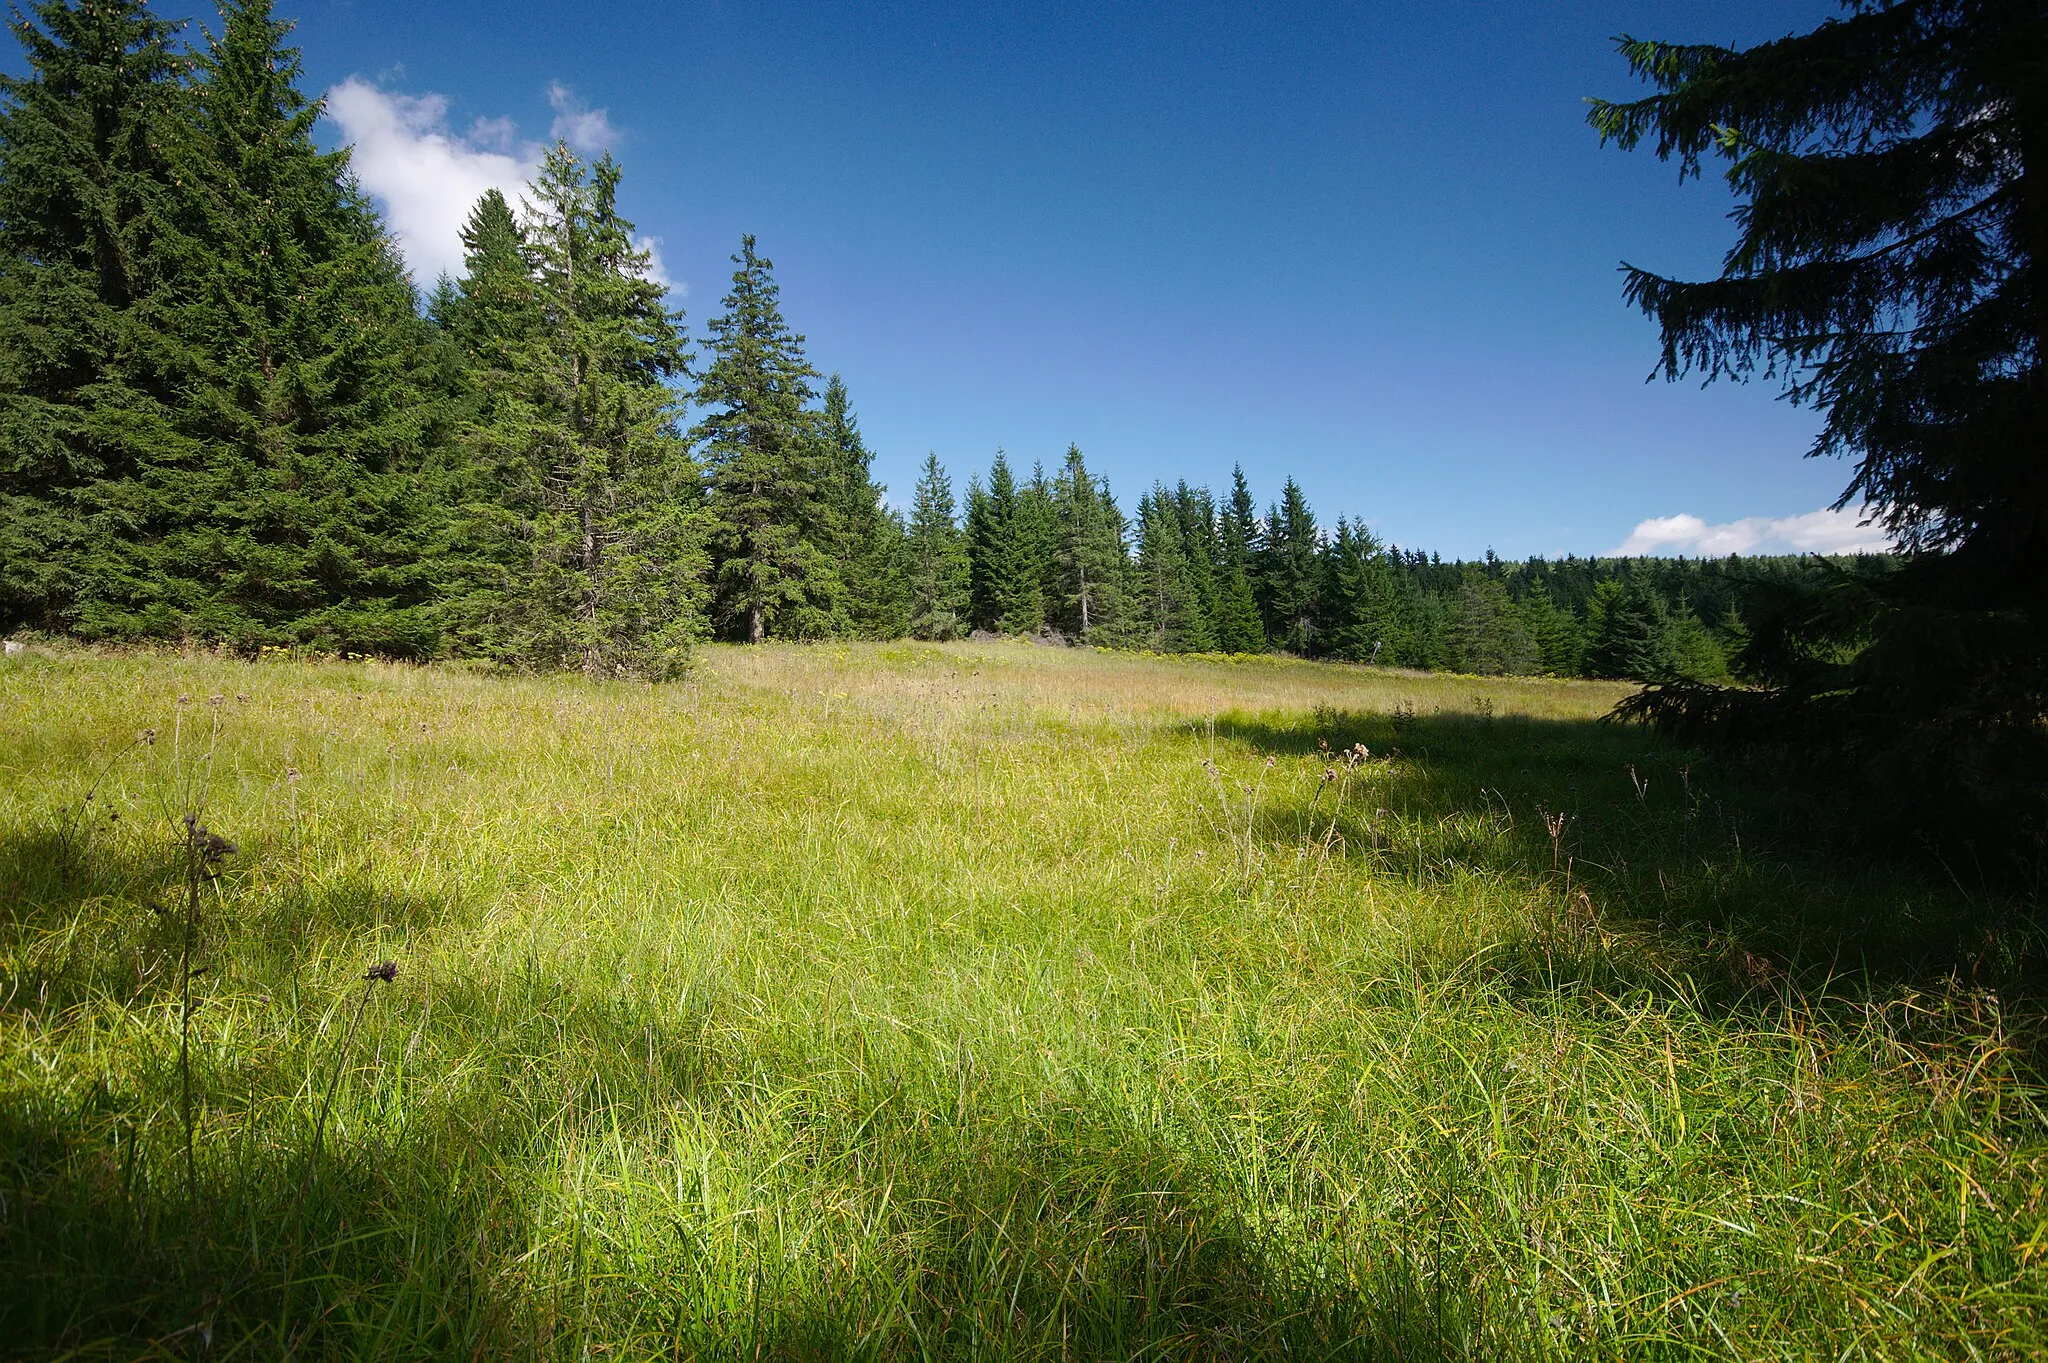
pixel 1195 573
pixel 226 415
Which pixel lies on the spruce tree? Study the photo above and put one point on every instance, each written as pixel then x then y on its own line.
pixel 492 311
pixel 1695 655
pixel 599 548
pixel 1005 546
pixel 868 552
pixel 979 536
pixel 1731 632
pixel 1892 167
pixel 1628 631
pixel 1239 628
pixel 1195 511
pixel 88 255
pixel 487 484
pixel 1088 555
pixel 1240 520
pixel 1426 621
pixel 936 559
pixel 1033 573
pixel 294 510
pixel 1170 613
pixel 1361 614
pixel 1289 571
pixel 1488 635
pixel 1560 645
pixel 773 520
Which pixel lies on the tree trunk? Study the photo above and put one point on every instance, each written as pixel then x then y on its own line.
pixel 757 628
pixel 593 661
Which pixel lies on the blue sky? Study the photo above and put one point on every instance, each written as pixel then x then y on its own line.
pixel 1373 245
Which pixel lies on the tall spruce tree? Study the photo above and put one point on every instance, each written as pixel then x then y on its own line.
pixel 1426 621
pixel 935 552
pixel 1290 571
pixel 869 548
pixel 1628 631
pixel 492 311
pixel 1694 652
pixel 1239 628
pixel 294 511
pixel 1560 645
pixel 1488 635
pixel 487 483
pixel 88 255
pixel 1033 572
pixel 978 535
pixel 1239 525
pixel 578 527
pixel 1195 511
pixel 773 518
pixel 1005 541
pixel 1893 168
pixel 1361 612
pixel 1089 556
pixel 1168 607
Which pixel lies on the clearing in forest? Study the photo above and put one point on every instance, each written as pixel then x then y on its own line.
pixel 920 1001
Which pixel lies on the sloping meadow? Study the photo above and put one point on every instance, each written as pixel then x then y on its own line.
pixel 978 1001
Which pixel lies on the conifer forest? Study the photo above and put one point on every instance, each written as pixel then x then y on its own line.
pixel 231 418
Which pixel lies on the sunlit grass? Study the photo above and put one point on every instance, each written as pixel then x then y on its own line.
pixel 919 1001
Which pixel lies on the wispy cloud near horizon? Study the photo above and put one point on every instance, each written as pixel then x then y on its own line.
pixel 1825 531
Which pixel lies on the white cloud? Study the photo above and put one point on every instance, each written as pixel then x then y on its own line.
pixel 427 177
pixel 1816 532
pixel 585 129
pixel 657 271
pixel 494 134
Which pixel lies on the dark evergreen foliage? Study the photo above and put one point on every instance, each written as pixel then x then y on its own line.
pixel 1239 628
pixel 869 549
pixel 586 505
pixel 1090 560
pixel 88 256
pixel 1288 571
pixel 224 417
pixel 292 509
pixel 775 521
pixel 1009 540
pixel 237 454
pixel 1887 270
pixel 1168 607
pixel 935 560
pixel 1362 615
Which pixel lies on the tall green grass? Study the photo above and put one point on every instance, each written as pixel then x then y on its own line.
pixel 983 1002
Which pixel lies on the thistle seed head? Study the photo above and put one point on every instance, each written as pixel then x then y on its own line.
pixel 210 846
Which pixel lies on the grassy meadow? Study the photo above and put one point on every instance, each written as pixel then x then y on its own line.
pixel 980 1002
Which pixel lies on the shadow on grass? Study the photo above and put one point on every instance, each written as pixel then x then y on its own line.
pixel 1089 1239
pixel 90 910
pixel 980 1231
pixel 1744 874
pixel 389 1250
